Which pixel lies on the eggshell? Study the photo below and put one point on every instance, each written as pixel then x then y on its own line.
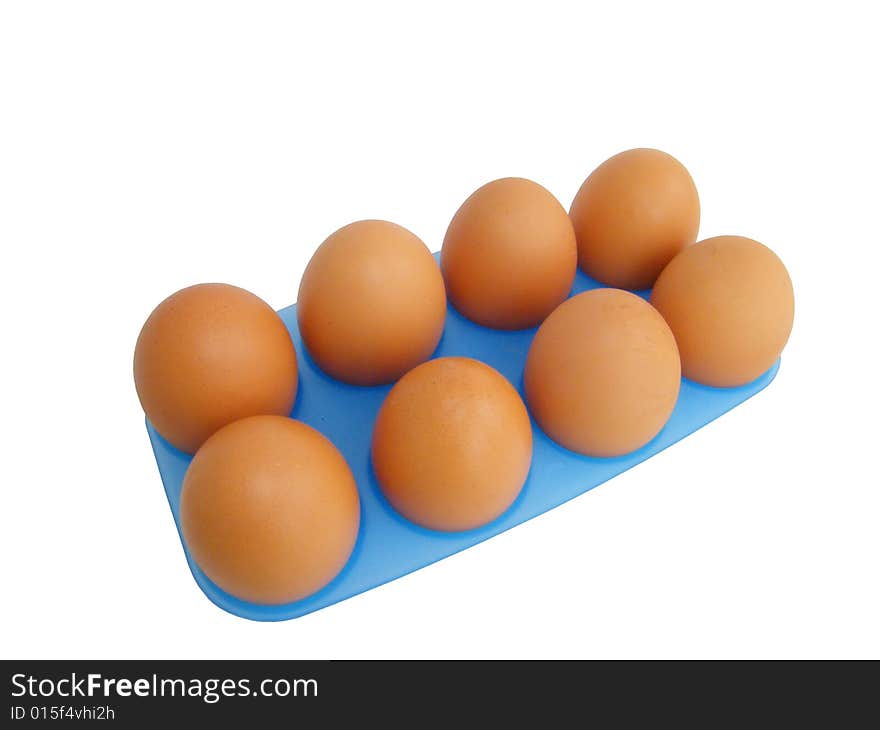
pixel 635 212
pixel 730 303
pixel 452 444
pixel 209 355
pixel 269 510
pixel 371 303
pixel 602 374
pixel 509 256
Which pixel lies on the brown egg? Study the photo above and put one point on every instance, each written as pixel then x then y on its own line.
pixel 602 374
pixel 730 304
pixel 209 355
pixel 635 212
pixel 509 256
pixel 452 444
pixel 269 510
pixel 371 303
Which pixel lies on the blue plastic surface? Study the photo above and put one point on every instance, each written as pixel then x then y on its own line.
pixel 389 546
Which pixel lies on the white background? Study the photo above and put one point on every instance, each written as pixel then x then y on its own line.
pixel 148 146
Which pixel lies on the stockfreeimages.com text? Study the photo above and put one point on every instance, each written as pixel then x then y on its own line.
pixel 210 690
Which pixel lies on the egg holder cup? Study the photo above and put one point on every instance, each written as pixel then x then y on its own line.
pixel 388 545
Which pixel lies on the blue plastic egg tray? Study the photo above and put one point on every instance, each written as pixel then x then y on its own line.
pixel 389 546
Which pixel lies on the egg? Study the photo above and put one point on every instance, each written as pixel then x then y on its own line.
pixel 269 510
pixel 452 444
pixel 633 213
pixel 372 303
pixel 509 256
pixel 602 374
pixel 209 355
pixel 730 303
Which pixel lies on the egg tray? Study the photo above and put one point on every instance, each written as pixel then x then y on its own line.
pixel 388 545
